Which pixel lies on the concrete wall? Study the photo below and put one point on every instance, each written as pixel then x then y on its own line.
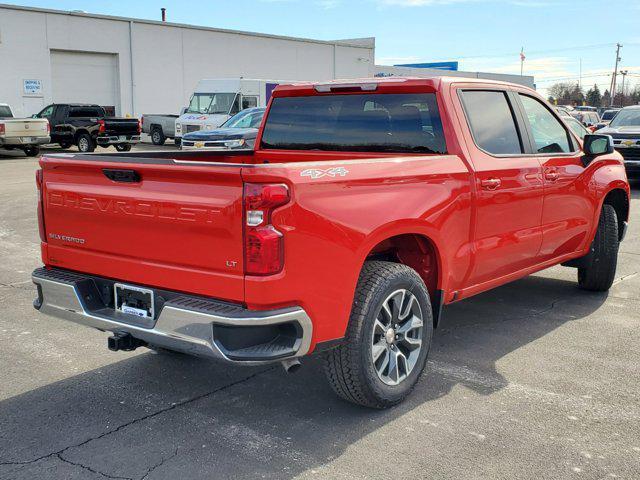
pixel 387 70
pixel 159 63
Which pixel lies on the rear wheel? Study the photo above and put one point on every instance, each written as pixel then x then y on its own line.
pixel 387 340
pixel 157 136
pixel 32 151
pixel 123 147
pixel 599 271
pixel 85 143
pixel 178 142
pixel 65 144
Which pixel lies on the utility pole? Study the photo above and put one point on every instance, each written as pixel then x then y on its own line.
pixel 615 74
pixel 580 82
pixel 624 75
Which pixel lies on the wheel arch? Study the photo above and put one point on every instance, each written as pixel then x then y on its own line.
pixel 618 198
pixel 417 249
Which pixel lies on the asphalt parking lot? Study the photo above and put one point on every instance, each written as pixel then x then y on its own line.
pixel 536 379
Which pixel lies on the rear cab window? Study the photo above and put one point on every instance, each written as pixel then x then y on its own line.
pixel 403 123
pixel 5 112
pixel 86 112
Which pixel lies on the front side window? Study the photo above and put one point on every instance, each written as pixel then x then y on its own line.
pixel 626 118
pixel 249 102
pixel 491 122
pixel 549 135
pixel 47 112
pixel 576 127
pixel 211 103
pixel 370 122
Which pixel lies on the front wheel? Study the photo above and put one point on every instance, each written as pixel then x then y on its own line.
pixel 177 141
pixel 599 270
pixel 387 340
pixel 123 147
pixel 32 151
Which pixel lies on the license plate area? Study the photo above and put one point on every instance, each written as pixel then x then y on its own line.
pixel 133 300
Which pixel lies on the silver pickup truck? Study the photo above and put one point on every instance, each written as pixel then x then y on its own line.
pixel 26 134
pixel 159 127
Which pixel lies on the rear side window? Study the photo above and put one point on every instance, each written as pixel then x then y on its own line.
pixel 5 112
pixel 356 122
pixel 491 122
pixel 549 135
pixel 86 112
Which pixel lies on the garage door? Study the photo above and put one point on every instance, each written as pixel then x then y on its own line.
pixel 80 77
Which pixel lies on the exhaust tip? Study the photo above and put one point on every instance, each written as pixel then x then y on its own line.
pixel 291 365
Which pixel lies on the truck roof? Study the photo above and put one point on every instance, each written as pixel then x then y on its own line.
pixel 373 83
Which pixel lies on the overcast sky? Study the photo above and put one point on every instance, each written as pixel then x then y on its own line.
pixel 482 35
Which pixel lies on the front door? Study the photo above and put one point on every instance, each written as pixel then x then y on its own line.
pixel 567 211
pixel 509 188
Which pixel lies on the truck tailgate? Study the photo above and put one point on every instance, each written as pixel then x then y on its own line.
pixel 179 226
pixel 25 128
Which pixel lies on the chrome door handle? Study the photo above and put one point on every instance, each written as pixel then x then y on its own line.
pixel 552 175
pixel 490 183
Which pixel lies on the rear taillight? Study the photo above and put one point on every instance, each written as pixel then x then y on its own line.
pixel 263 243
pixel 139 127
pixel 48 127
pixel 101 128
pixel 41 231
pixel 1 127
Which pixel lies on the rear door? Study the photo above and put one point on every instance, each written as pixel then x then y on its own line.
pixel 157 223
pixel 567 211
pixel 509 189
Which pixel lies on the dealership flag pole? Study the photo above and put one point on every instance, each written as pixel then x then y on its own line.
pixel 522 57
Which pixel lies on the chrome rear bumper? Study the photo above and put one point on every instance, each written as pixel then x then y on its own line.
pixel 189 324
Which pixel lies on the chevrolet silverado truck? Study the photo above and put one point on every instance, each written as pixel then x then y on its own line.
pixel 25 134
pixel 88 126
pixel 625 131
pixel 366 207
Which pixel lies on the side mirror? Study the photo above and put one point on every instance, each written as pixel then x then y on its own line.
pixel 595 145
pixel 183 109
pixel 35 115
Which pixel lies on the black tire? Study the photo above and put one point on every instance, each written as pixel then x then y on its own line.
pixel 178 142
pixel 31 150
pixel 157 136
pixel 123 147
pixel 65 145
pixel 601 262
pixel 350 367
pixel 85 143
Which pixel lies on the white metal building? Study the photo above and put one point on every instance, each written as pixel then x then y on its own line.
pixel 143 66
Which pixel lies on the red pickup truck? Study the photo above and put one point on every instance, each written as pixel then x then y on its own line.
pixel 366 207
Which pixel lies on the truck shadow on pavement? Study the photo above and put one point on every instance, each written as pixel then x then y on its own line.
pixel 172 416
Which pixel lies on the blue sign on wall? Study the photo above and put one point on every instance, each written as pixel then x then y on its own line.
pixel 437 65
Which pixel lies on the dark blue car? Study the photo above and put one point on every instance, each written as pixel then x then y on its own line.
pixel 239 132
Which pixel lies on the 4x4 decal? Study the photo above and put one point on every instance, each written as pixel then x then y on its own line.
pixel 329 172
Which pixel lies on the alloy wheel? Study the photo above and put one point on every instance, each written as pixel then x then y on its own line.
pixel 397 337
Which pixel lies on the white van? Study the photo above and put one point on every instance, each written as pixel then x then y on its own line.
pixel 216 100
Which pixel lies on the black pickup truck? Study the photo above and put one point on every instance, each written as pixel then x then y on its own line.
pixel 87 126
